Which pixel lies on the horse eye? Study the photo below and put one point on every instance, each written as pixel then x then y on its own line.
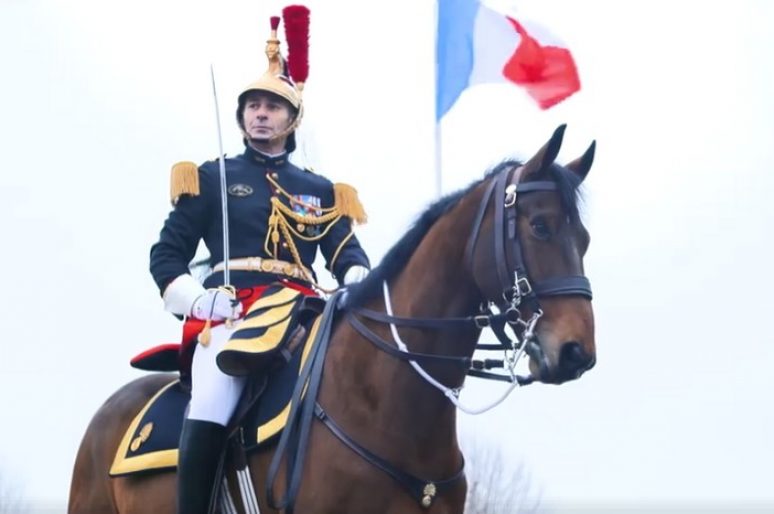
pixel 540 229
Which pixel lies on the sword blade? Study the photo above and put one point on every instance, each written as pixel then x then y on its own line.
pixel 223 185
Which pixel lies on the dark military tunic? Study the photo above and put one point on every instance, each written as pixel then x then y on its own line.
pixel 249 207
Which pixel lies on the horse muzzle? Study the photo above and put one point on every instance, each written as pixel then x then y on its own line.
pixel 571 363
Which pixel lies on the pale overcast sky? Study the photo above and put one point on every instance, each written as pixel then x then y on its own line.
pixel 99 99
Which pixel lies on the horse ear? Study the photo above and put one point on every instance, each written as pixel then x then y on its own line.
pixel 546 155
pixel 582 165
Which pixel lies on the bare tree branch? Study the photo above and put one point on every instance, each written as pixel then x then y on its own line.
pixel 10 497
pixel 494 487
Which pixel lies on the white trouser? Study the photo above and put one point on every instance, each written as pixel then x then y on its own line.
pixel 214 395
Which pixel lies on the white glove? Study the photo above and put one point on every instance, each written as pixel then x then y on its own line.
pixel 185 296
pixel 216 305
pixel 181 293
pixel 355 274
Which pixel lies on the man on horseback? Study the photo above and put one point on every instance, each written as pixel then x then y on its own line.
pixel 277 216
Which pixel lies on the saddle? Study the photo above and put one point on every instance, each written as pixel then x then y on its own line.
pixel 150 443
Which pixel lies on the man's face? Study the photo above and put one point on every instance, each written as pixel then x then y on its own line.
pixel 265 116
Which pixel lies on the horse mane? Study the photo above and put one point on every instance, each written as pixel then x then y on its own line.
pixel 397 257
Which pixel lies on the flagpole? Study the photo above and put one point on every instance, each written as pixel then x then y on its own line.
pixel 438 158
pixel 438 161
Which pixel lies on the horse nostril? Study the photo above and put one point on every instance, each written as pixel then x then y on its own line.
pixel 573 358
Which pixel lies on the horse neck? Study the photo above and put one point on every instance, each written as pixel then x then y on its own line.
pixel 435 283
pixel 389 408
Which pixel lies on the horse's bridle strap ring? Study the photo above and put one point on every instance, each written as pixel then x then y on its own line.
pixel 482 321
pixel 510 195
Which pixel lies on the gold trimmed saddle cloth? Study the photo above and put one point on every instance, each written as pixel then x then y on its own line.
pixel 262 335
pixel 150 442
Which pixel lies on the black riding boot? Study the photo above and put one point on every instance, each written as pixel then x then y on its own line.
pixel 201 443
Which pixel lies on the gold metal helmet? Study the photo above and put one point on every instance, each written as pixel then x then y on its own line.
pixel 284 78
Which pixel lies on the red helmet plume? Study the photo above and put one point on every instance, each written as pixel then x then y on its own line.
pixel 296 21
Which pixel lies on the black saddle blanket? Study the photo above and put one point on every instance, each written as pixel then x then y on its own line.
pixel 151 440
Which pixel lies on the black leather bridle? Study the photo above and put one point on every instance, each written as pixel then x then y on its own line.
pixel 516 289
pixel 515 284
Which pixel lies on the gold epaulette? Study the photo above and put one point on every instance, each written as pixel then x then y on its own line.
pixel 348 203
pixel 184 180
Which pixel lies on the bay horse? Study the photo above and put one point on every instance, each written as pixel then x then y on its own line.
pixel 386 441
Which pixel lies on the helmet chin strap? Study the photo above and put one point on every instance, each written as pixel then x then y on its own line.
pixel 296 122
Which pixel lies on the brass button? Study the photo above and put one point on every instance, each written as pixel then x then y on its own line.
pixel 274 174
pixel 300 227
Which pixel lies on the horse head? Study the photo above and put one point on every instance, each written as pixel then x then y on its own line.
pixel 526 256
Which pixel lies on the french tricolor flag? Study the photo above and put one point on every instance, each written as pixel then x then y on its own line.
pixel 478 45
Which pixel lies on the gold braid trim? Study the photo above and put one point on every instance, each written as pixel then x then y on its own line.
pixel 338 250
pixel 281 228
pixel 294 200
pixel 283 225
pixel 346 202
pixel 332 213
